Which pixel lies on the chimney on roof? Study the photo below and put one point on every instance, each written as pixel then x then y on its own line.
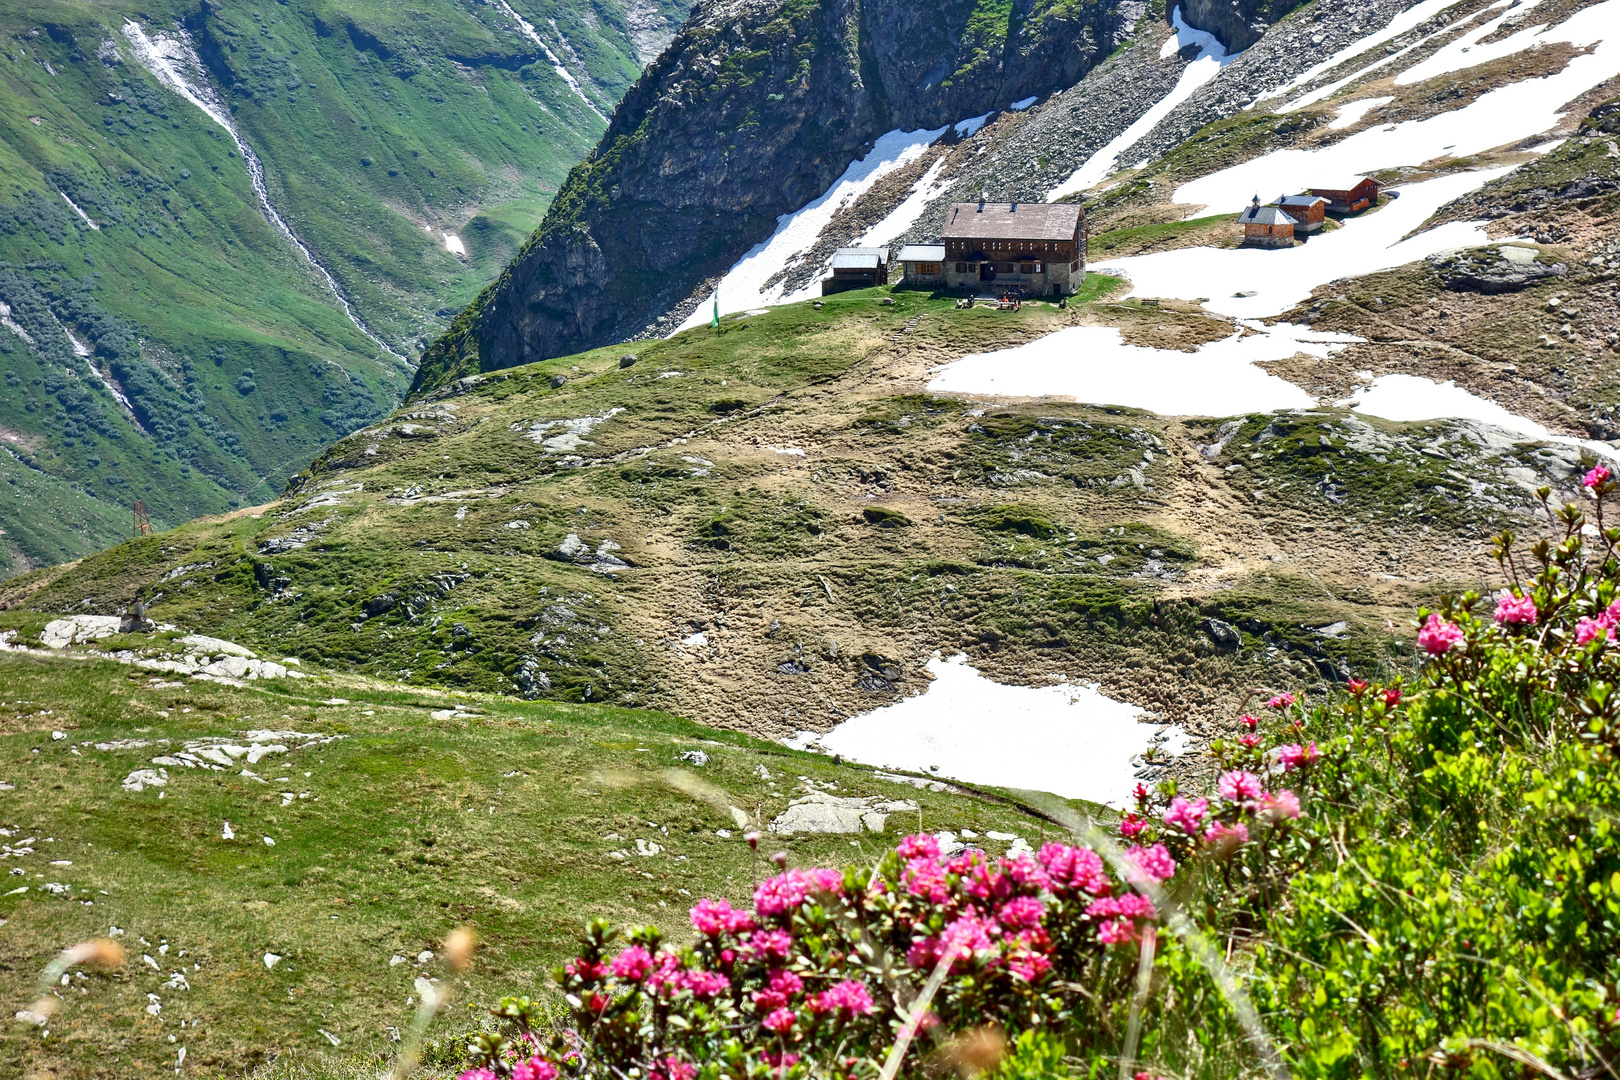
pixel 982 194
pixel 1256 203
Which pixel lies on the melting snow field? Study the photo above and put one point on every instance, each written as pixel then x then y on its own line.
pixel 1093 365
pixel 1205 66
pixel 1280 279
pixel 1505 115
pixel 1411 397
pixel 1068 739
pixel 744 285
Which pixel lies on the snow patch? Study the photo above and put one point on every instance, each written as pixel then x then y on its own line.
pixel 970 126
pixel 453 244
pixel 1350 113
pixel 1466 51
pixel 1092 364
pixel 927 188
pixel 1020 106
pixel 1499 117
pixel 1412 16
pixel 528 31
pixel 1211 58
pixel 1410 397
pixel 744 285
pixel 78 211
pixel 1069 739
pixel 171 59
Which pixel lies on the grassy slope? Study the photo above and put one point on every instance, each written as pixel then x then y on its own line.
pixel 912 524
pixel 503 819
pixel 371 122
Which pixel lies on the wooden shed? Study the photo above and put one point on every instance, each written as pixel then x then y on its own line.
pixel 857 268
pixel 1350 196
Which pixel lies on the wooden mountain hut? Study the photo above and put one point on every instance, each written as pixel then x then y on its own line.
pixel 1037 249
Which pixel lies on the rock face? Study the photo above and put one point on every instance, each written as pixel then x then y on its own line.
pixel 755 108
pixel 1238 23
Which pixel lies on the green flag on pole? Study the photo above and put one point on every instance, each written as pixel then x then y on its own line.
pixel 715 322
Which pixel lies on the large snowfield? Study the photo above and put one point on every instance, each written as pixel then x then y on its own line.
pixel 1069 739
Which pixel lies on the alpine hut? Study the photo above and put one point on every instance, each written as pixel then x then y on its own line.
pixel 1266 226
pixel 1037 248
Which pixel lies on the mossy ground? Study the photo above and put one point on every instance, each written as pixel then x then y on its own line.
pixel 769 512
pixel 416 820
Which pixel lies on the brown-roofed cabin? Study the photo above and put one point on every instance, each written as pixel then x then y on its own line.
pixel 856 268
pixel 1039 248
pixel 1266 226
pixel 1308 211
pixel 1354 196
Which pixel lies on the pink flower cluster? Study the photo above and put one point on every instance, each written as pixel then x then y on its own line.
pixel 1596 478
pixel 1516 610
pixel 1295 755
pixel 711 918
pixel 1186 815
pixel 1437 636
pixel 784 893
pixel 1589 630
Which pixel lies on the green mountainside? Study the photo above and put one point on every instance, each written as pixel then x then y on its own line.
pixel 163 340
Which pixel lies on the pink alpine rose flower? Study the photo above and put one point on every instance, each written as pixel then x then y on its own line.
pixel 633 964
pixel 1155 862
pixel 1596 477
pixel 1131 826
pixel 1021 912
pixel 781 1021
pixel 1222 835
pixel 1589 630
pixel 1250 740
pixel 1281 701
pixel 1250 722
pixel 1186 815
pixel 477 1074
pixel 1295 755
pixel 1238 786
pixel 918 847
pixel 1515 610
pixel 536 1068
pixel 1439 636
pixel 849 997
pixel 1280 805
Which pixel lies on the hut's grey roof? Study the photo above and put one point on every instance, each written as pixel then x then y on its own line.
pixel 1011 221
pixel 856 258
pixel 923 253
pixel 1264 215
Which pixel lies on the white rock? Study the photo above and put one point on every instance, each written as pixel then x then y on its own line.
pixel 271 960
pixel 268 842
pixel 57 736
pixel 60 633
pixel 820 812
pixel 143 778
pixel 211 645
pixel 228 833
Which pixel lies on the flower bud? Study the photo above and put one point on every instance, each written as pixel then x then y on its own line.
pixel 752 837
pixel 780 859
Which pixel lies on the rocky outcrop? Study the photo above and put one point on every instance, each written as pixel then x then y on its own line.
pixel 1238 23
pixel 755 108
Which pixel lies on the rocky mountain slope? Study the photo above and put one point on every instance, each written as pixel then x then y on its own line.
pixel 224 232
pixel 752 112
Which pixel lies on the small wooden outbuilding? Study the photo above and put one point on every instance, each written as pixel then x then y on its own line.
pixel 857 268
pixel 922 265
pixel 1266 226
pixel 1308 211
pixel 1350 196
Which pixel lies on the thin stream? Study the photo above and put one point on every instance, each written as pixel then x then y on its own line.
pixel 163 57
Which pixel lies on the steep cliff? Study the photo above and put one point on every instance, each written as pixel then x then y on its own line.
pixel 1238 23
pixel 752 111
